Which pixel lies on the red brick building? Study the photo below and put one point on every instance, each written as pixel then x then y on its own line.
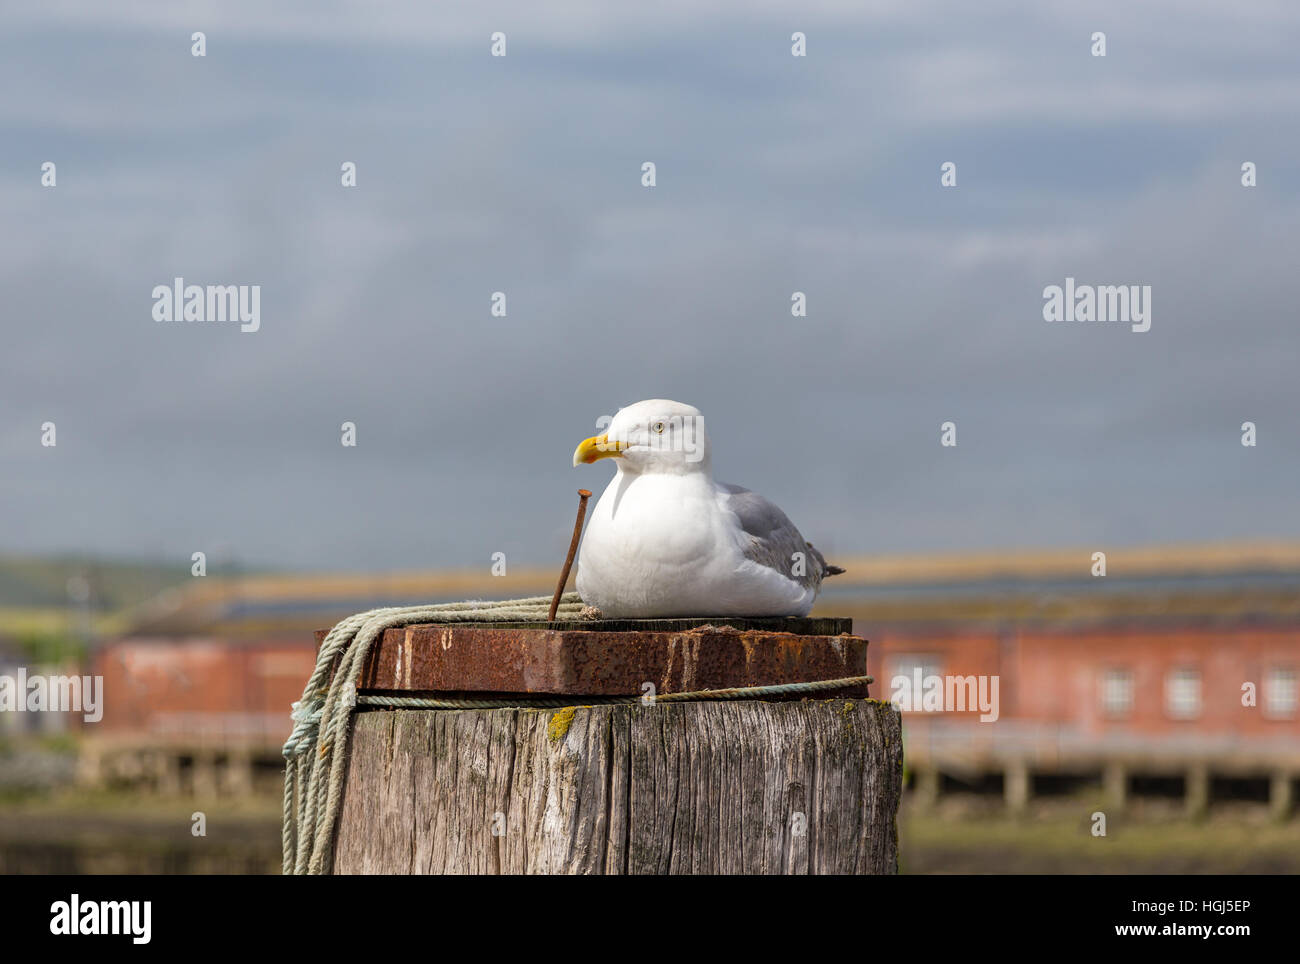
pixel 1191 680
pixel 1134 677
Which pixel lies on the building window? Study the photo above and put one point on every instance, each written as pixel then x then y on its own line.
pixel 906 664
pixel 1183 694
pixel 906 688
pixel 1117 693
pixel 1280 696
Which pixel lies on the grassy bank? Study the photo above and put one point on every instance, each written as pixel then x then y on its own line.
pixel 1059 840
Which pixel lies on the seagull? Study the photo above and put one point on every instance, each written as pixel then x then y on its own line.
pixel 666 540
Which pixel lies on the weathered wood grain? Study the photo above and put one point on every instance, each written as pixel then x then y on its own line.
pixel 705 788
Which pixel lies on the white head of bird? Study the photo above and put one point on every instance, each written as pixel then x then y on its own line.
pixel 666 539
pixel 654 436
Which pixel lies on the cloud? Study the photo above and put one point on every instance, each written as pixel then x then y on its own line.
pixel 478 175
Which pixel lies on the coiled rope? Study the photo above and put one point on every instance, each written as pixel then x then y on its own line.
pixel 316 752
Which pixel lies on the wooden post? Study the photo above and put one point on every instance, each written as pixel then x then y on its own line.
pixel 90 763
pixel 1115 783
pixel 702 788
pixel 203 774
pixel 1016 785
pixel 1197 794
pixel 167 772
pixel 786 785
pixel 1279 794
pixel 237 774
pixel 927 785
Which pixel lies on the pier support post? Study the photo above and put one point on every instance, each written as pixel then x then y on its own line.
pixel 203 774
pixel 1115 785
pixel 237 774
pixel 926 787
pixel 630 750
pixel 808 787
pixel 1016 786
pixel 1280 795
pixel 1197 790
pixel 166 769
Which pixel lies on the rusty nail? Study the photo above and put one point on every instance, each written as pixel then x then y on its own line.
pixel 583 496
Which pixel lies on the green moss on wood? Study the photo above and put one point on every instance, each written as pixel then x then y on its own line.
pixel 561 720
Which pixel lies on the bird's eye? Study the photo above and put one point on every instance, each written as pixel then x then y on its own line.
pixel 657 428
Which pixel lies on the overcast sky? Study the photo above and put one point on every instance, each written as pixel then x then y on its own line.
pixel 522 174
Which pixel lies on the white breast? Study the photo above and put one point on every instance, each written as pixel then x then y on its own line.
pixel 658 545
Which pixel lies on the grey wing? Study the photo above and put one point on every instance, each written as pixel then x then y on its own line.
pixel 773 539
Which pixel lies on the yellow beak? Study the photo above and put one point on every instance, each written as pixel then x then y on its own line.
pixel 598 447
